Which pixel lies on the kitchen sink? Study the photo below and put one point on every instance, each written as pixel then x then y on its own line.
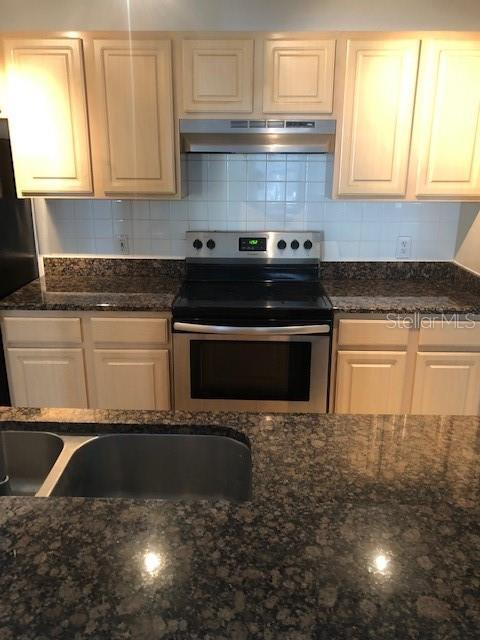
pixel 168 466
pixel 29 458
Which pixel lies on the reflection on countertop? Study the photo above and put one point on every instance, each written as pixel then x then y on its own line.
pixel 401 296
pixel 116 293
pixel 359 526
pixel 96 284
pixel 401 287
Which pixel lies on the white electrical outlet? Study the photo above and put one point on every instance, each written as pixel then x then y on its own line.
pixel 123 245
pixel 404 247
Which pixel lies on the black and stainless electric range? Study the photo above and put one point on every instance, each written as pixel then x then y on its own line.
pixel 252 324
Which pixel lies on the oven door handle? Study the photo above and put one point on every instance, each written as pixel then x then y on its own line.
pixel 253 331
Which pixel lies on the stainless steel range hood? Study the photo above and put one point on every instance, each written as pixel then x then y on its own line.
pixel 257 136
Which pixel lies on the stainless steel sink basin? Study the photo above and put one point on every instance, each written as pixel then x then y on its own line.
pixel 29 457
pixel 158 466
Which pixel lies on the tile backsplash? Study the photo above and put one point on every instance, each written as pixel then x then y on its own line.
pixel 248 192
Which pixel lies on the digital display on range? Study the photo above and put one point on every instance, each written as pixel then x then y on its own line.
pixel 252 244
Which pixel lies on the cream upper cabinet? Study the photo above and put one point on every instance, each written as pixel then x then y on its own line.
pixel 47 377
pixel 447 126
pixel 217 76
pixel 48 116
pixel 134 105
pixel 298 76
pixel 447 383
pixel 370 381
pixel 374 138
pixel 132 379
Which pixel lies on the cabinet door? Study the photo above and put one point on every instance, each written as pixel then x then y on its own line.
pixel 48 116
pixel 47 377
pixel 217 76
pixel 132 379
pixel 448 117
pixel 298 76
pixel 447 383
pixel 370 381
pixel 377 117
pixel 135 107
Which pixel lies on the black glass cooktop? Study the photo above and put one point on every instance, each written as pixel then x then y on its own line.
pixel 292 301
pixel 233 291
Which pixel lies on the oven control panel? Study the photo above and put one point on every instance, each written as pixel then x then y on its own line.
pixel 259 244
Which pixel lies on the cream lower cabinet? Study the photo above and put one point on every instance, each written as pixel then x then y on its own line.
pixel 47 377
pixel 447 369
pixel 132 379
pixel 103 361
pixel 447 383
pixel 394 367
pixel 370 381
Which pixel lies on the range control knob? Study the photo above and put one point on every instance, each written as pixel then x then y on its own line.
pixel 197 244
pixel 307 245
pixel 211 244
pixel 281 244
pixel 294 244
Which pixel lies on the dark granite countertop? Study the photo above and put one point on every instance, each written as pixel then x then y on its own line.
pixel 151 285
pixel 401 296
pixel 80 293
pixel 100 284
pixel 358 527
pixel 401 287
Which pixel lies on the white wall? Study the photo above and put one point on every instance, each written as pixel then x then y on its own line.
pixel 249 192
pixel 240 14
pixel 468 242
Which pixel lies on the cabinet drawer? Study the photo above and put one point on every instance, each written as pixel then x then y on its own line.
pixel 465 335
pixel 372 333
pixel 43 330
pixel 132 331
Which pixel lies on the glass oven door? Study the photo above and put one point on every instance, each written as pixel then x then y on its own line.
pixel 253 370
pixel 250 373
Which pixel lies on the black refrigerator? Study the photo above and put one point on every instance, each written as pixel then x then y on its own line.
pixel 18 260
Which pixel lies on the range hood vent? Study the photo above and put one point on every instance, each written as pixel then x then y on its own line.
pixel 257 136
